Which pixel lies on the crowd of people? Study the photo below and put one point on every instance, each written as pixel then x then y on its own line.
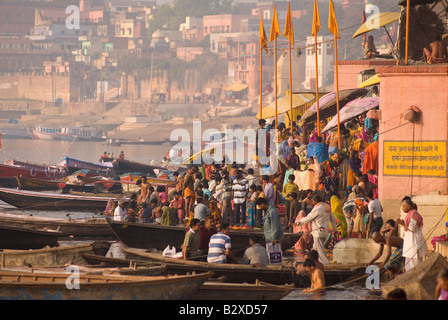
pixel 325 187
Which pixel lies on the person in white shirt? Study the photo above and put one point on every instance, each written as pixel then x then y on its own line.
pixel 375 213
pixel 120 212
pixel 320 218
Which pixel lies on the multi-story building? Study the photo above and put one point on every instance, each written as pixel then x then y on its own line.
pixel 325 61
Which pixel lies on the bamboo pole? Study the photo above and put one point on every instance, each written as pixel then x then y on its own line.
pixel 317 84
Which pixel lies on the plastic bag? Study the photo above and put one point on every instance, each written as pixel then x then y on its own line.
pixel 169 252
pixel 275 253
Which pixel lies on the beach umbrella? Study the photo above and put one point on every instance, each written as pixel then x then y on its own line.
pixel 283 104
pixel 371 81
pixel 349 207
pixel 376 21
pixel 353 109
pixel 328 105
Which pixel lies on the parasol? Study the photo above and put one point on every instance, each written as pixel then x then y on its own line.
pixel 353 109
pixel 327 104
pixel 376 21
pixel 283 104
pixel 371 81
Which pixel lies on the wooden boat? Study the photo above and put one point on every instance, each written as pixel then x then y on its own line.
pixel 72 165
pixel 420 282
pixel 8 174
pixel 122 166
pixel 99 260
pixel 52 257
pixel 151 235
pixel 212 290
pixel 25 239
pixel 33 200
pixel 238 273
pixel 37 184
pixel 52 286
pixel 77 228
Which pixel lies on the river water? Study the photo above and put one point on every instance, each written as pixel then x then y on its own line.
pixel 50 152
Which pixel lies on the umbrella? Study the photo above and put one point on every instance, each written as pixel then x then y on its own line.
pixel 328 106
pixel 353 109
pixel 283 104
pixel 376 21
pixel 371 81
pixel 198 155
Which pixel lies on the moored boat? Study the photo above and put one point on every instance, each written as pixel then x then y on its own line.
pixel 25 239
pixel 71 165
pixel 9 172
pixel 52 257
pixel 53 286
pixel 151 235
pixel 76 228
pixel 212 290
pixel 122 166
pixel 239 273
pixel 33 200
pixel 37 184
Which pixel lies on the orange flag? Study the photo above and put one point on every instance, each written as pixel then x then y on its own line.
pixel 316 20
pixel 332 22
pixel 275 27
pixel 263 38
pixel 289 30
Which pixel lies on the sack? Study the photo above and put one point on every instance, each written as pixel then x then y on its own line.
pixel 168 252
pixel 275 253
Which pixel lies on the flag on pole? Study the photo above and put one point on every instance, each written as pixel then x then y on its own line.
pixel 289 30
pixel 263 38
pixel 275 27
pixel 364 21
pixel 332 22
pixel 316 20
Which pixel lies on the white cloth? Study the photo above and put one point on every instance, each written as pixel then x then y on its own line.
pixel 414 245
pixel 375 207
pixel 320 218
pixel 119 214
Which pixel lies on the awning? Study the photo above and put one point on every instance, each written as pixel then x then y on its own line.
pixel 376 21
pixel 328 105
pixel 236 87
pixel 283 105
pixel 353 109
pixel 371 81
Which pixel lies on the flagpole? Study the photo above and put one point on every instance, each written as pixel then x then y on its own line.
pixel 337 87
pixel 275 81
pixel 290 86
pixel 317 84
pixel 261 81
pixel 407 31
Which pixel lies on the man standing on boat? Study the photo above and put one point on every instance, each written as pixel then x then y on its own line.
pixel 320 218
pixel 189 193
pixel 273 229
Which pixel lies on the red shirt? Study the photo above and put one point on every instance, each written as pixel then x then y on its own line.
pixel 205 236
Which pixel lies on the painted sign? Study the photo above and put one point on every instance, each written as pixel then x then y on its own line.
pixel 418 158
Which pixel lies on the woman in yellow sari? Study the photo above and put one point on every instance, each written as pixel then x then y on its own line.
pixel 336 208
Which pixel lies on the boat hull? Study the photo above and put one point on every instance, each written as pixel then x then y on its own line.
pixel 25 239
pixel 52 201
pixel 149 235
pixel 52 257
pixel 238 273
pixel 44 286
pixel 91 229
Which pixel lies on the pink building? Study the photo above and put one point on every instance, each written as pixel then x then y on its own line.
pixel 224 23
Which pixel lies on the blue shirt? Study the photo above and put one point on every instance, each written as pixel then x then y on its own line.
pixel 218 245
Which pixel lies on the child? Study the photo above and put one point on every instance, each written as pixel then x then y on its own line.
pixel 162 195
pixel 259 212
pixel 251 207
pixel 442 285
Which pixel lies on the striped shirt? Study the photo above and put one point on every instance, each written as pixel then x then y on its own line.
pixel 240 189
pixel 218 245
